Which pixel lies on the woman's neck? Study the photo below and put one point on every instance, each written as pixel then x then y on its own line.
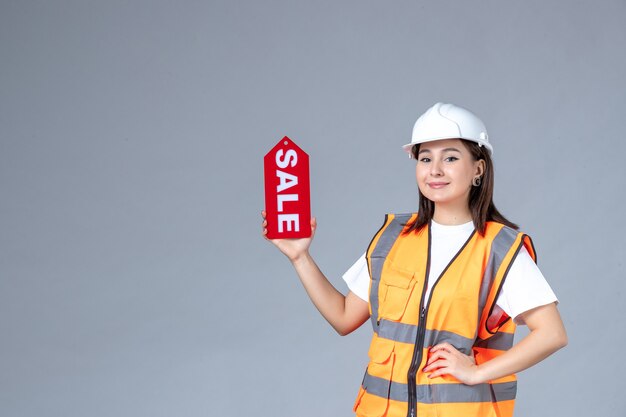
pixel 451 215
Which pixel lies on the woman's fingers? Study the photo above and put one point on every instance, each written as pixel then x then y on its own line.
pixel 432 357
pixel 313 225
pixel 435 357
pixel 264 224
pixel 434 366
pixel 438 364
pixel 437 352
pixel 443 346
pixel 439 372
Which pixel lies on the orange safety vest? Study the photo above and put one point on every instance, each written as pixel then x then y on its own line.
pixel 459 311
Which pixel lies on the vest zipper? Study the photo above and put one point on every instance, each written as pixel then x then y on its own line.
pixel 419 341
pixel 416 360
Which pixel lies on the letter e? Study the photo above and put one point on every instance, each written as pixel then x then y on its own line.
pixel 290 220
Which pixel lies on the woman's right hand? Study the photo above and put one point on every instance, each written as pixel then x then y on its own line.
pixel 291 248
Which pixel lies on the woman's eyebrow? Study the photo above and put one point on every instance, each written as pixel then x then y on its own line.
pixel 443 150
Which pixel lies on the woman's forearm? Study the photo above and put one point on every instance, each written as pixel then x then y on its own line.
pixel 547 335
pixel 344 313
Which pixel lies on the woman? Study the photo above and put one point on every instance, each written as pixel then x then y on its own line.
pixel 443 288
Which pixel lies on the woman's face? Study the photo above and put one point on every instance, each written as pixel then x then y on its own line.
pixel 445 170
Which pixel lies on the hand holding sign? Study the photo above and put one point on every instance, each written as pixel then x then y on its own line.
pixel 291 248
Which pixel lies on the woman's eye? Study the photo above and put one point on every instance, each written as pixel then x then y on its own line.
pixel 424 159
pixel 451 159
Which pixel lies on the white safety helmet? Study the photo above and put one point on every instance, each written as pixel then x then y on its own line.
pixel 447 121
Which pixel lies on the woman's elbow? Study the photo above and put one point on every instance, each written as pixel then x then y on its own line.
pixel 562 340
pixel 559 339
pixel 345 327
pixel 343 330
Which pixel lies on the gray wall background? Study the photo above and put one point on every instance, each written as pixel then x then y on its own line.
pixel 133 277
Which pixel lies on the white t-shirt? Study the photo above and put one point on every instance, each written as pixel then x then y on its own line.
pixel 524 287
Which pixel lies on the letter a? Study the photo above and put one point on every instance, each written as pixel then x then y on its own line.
pixel 286 180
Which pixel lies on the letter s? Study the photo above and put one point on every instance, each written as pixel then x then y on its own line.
pixel 291 158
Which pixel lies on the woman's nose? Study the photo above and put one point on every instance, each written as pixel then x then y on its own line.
pixel 435 168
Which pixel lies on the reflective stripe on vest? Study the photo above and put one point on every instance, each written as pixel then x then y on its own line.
pixel 449 393
pixel 460 311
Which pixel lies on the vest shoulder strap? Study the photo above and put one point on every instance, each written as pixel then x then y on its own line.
pixel 377 252
pixel 504 249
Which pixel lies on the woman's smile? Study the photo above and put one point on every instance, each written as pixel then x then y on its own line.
pixel 437 185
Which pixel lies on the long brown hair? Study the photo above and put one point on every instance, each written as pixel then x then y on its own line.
pixel 480 198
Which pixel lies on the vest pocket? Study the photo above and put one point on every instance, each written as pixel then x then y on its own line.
pixel 357 402
pixel 380 351
pixel 396 288
pixel 373 399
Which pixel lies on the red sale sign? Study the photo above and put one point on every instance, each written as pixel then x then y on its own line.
pixel 287 191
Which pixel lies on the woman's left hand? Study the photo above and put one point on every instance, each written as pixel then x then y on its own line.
pixel 445 359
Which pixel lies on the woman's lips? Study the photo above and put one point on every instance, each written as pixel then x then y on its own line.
pixel 437 184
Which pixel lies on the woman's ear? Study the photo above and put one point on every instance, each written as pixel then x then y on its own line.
pixel 480 167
